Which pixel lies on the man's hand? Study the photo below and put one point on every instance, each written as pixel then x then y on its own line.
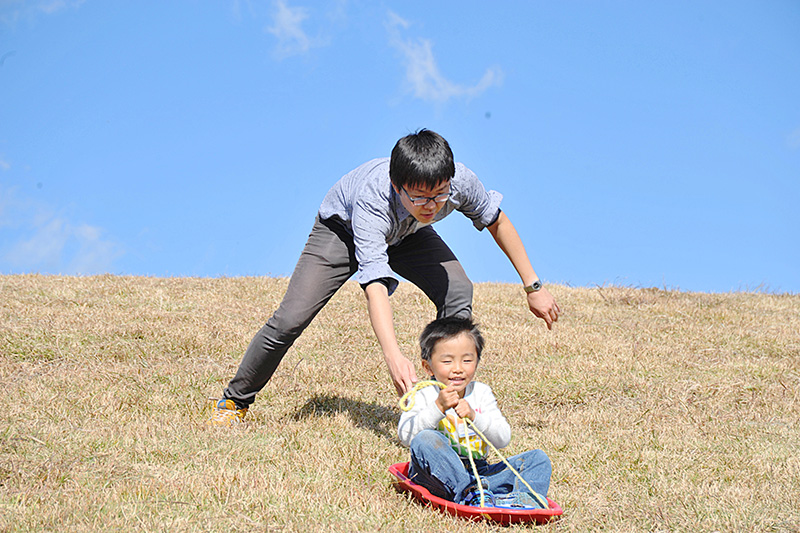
pixel 402 372
pixel 544 306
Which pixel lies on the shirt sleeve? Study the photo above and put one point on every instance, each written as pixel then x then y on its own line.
pixel 370 227
pixel 423 415
pixel 489 419
pixel 473 200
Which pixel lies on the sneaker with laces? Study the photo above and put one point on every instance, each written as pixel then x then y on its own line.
pixel 517 500
pixel 472 495
pixel 226 414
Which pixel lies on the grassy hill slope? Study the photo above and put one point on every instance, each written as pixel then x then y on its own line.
pixel 660 410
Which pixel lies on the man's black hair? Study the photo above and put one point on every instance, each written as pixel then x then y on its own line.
pixel 422 159
pixel 448 328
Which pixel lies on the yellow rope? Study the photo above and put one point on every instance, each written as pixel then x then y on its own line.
pixel 407 403
pixel 472 462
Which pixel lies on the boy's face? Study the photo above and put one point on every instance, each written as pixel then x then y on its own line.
pixel 453 362
pixel 423 213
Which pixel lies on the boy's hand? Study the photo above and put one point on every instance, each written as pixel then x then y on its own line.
pixel 464 410
pixel 544 306
pixel 448 397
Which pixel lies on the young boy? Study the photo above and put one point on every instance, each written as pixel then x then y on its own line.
pixel 439 441
pixel 376 221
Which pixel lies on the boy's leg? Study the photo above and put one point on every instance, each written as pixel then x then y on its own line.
pixel 424 259
pixel 436 466
pixel 327 261
pixel 534 467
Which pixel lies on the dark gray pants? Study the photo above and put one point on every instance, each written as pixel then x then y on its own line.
pixel 327 262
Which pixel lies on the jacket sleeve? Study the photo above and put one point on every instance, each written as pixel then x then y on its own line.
pixel 488 419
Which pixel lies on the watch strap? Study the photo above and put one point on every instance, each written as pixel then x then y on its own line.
pixel 533 287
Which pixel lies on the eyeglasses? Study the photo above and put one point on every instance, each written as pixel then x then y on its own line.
pixel 423 200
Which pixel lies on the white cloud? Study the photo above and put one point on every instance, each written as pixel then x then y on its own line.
pixel 95 254
pixel 43 249
pixel 288 29
pixel 296 29
pixel 338 11
pixel 237 8
pixel 9 206
pixel 5 165
pixel 422 71
pixel 39 240
pixel 12 10
pixel 397 20
pixel 49 7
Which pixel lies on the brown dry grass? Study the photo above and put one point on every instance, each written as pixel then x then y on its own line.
pixel 661 410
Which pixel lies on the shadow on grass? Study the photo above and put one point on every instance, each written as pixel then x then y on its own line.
pixel 379 419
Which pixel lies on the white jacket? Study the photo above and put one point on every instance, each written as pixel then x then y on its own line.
pixel 424 414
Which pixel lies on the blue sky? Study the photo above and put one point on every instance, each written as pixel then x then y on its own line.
pixel 635 143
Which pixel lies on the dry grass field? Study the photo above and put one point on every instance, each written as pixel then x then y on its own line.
pixel 661 410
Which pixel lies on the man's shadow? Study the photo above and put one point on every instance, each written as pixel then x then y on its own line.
pixel 379 419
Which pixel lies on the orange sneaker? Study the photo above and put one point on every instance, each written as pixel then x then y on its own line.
pixel 226 414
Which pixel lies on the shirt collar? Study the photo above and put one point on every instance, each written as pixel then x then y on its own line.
pixel 399 209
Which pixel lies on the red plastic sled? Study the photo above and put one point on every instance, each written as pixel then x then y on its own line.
pixel 495 514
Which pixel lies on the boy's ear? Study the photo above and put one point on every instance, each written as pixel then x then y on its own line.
pixel 427 367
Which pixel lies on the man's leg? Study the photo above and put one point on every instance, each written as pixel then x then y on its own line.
pixel 424 259
pixel 327 261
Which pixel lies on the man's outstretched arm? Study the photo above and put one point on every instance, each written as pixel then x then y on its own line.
pixel 541 302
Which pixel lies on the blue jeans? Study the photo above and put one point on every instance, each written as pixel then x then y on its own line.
pixel 436 466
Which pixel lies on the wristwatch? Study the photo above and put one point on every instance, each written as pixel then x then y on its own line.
pixel 533 287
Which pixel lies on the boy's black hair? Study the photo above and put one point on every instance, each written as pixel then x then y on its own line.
pixel 422 159
pixel 447 328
